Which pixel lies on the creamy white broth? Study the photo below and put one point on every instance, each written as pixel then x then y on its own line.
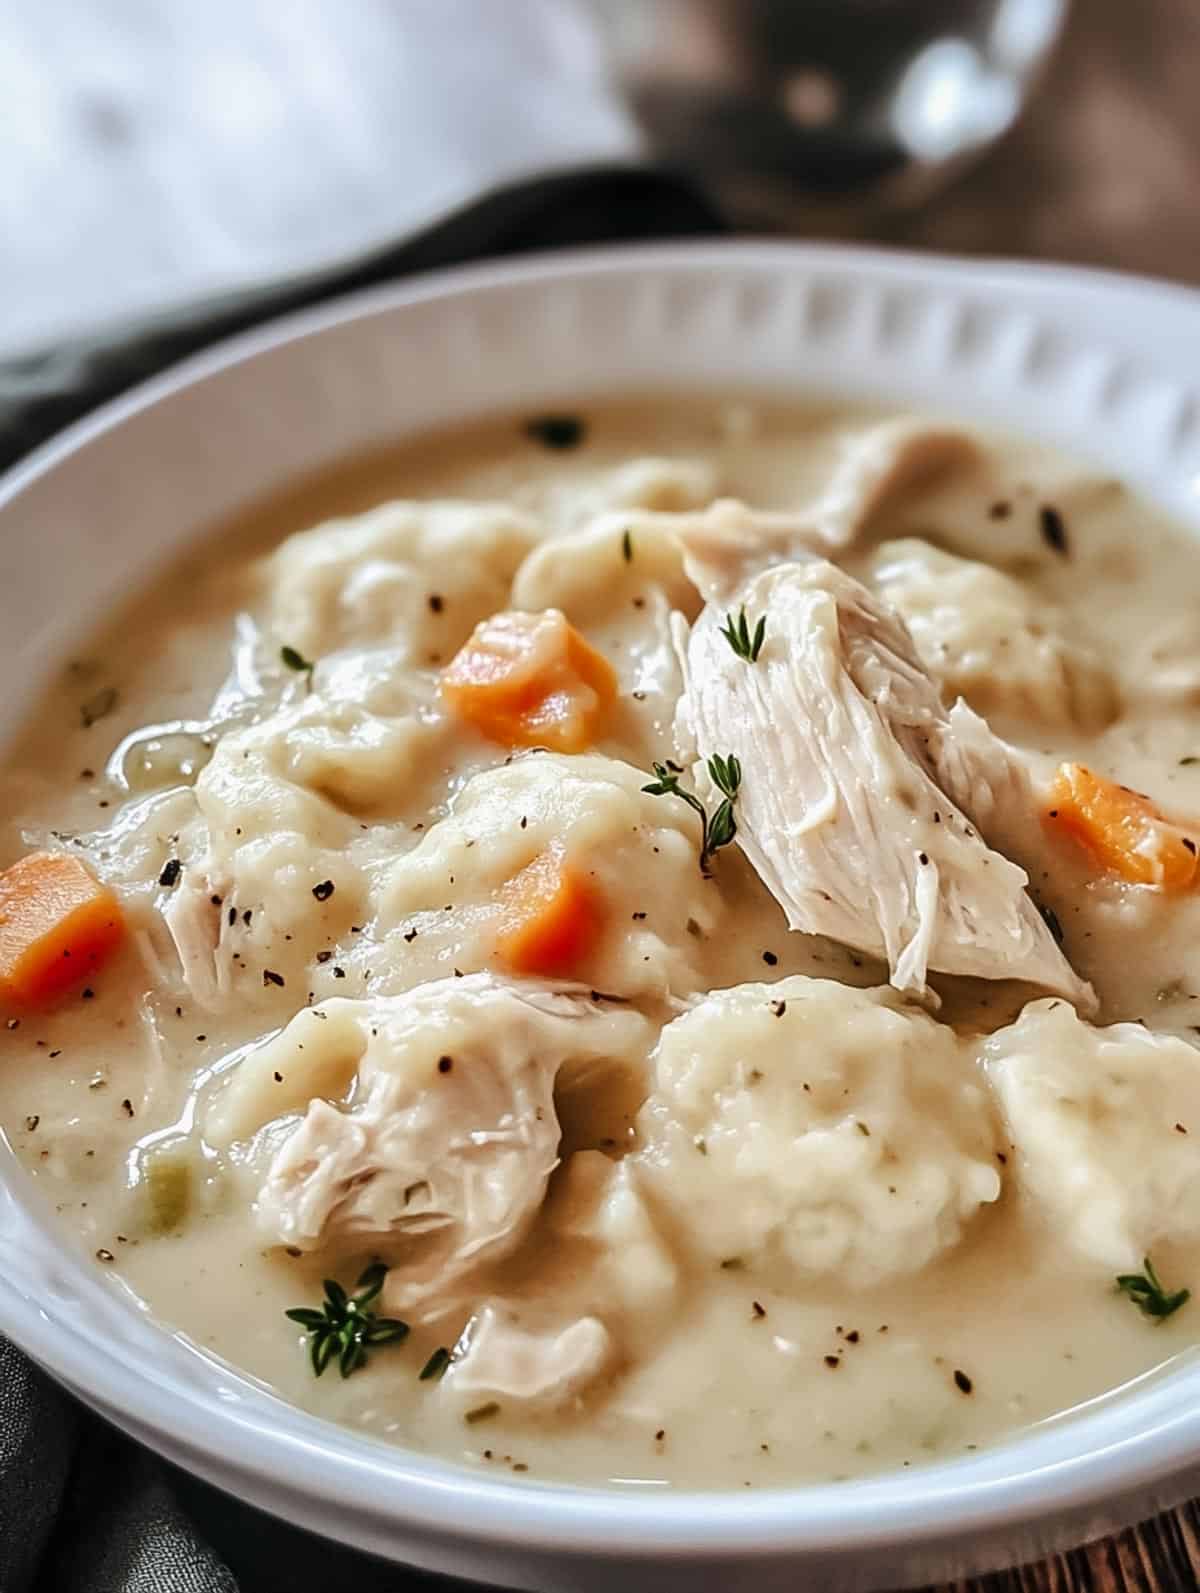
pixel 753 1373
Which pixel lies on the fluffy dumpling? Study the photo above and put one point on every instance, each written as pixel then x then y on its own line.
pixel 429 1128
pixel 1105 1123
pixel 657 482
pixel 607 565
pixel 419 576
pixel 276 858
pixel 861 794
pixel 814 1130
pixel 632 857
pixel 986 637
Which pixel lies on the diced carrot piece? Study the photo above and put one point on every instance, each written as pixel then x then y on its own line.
pixel 57 926
pixel 530 680
pixel 550 918
pixel 1122 829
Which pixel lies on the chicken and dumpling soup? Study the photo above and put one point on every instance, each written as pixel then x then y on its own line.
pixel 655 945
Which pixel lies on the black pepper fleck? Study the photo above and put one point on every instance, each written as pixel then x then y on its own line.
pixel 324 890
pixel 556 431
pixel 270 977
pixel 1054 530
pixel 962 1382
pixel 170 874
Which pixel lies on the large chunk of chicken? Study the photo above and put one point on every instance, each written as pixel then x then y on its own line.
pixel 861 794
pixel 437 1151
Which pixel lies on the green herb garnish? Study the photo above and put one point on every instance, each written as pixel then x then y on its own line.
pixel 436 1364
pixel 346 1326
pixel 297 661
pixel 1148 1294
pixel 726 775
pixel 738 634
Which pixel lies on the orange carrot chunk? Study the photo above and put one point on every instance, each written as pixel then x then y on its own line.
pixel 550 919
pixel 1122 829
pixel 530 680
pixel 57 926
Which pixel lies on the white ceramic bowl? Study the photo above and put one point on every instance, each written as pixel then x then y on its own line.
pixel 1106 367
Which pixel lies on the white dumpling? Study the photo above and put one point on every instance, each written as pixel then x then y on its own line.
pixel 416 575
pixel 862 797
pixel 429 1131
pixel 655 482
pixel 277 859
pixel 606 565
pixel 635 855
pixel 986 637
pixel 816 1131
pixel 618 580
pixel 1105 1124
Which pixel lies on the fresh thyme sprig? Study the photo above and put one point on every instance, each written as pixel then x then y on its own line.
pixel 726 774
pixel 346 1326
pixel 737 633
pixel 1148 1294
pixel 294 659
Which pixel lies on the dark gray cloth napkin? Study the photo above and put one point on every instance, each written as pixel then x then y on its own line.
pixel 83 1509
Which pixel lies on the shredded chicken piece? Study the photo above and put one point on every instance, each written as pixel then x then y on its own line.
pixel 881 466
pixel 194 924
pixel 877 469
pixel 499 1357
pixel 861 794
pixel 440 1155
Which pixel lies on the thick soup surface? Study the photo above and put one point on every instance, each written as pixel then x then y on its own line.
pixel 696 899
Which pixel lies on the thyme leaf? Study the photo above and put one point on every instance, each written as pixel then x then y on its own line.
pixel 737 633
pixel 1148 1294
pixel 435 1365
pixel 345 1326
pixel 717 831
